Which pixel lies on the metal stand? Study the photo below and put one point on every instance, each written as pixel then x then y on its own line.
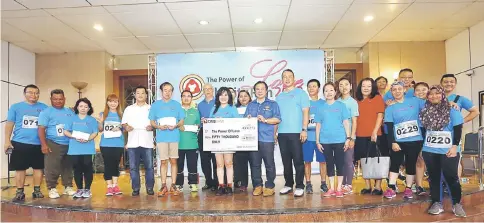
pixel 480 137
pixel 8 176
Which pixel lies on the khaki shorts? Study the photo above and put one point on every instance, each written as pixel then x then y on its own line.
pixel 167 150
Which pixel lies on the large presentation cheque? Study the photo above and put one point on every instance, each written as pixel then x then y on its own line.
pixel 230 134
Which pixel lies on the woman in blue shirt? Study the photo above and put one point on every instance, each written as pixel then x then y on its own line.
pixel 443 130
pixel 241 162
pixel 112 142
pixel 82 129
pixel 405 137
pixel 333 136
pixel 224 109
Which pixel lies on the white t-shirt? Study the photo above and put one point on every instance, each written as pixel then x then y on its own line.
pixel 137 117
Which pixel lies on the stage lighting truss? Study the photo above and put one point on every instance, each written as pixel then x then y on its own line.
pixel 329 66
pixel 152 78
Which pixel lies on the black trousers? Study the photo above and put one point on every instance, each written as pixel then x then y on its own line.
pixel 83 170
pixel 111 157
pixel 291 153
pixel 241 167
pixel 335 156
pixel 208 163
pixel 192 162
pixel 438 164
pixel 409 151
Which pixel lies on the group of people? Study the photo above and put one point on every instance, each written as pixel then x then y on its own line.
pixel 417 128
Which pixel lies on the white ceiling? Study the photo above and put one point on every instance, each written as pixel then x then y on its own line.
pixel 167 26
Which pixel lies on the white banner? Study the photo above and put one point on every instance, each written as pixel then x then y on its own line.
pixel 230 134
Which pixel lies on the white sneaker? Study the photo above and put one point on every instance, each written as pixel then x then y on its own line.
pixel 299 192
pixel 53 193
pixel 69 191
pixel 285 190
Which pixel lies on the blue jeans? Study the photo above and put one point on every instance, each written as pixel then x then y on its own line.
pixel 146 154
pixel 266 153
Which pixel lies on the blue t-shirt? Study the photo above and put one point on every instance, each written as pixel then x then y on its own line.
pixel 331 118
pixel 54 120
pixel 205 107
pixel 268 109
pixel 405 118
pixel 25 117
pixel 312 122
pixel 291 104
pixel 113 120
pixel 408 94
pixel 87 125
pixel 440 142
pixel 352 107
pixel 228 112
pixel 161 109
pixel 463 102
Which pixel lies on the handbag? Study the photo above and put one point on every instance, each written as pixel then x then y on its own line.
pixel 375 167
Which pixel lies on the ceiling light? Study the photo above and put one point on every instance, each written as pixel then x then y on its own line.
pixel 203 22
pixel 368 18
pixel 258 20
pixel 98 27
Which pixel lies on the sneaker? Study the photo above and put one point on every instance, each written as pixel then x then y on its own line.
pixel 324 187
pixel 299 192
pixel 408 193
pixel 87 193
pixel 110 191
pixel 414 188
pixel 347 189
pixel 78 193
pixel 285 190
pixel 69 191
pixel 421 191
pixel 365 191
pixel 339 194
pixel 389 193
pixel 205 187
pixel 214 188
pixel 229 191
pixel 242 188
pixel 329 193
pixel 377 192
pixel 163 191
pixel 268 192
pixel 53 193
pixel 257 191
pixel 309 188
pixel 193 188
pixel 175 190
pixel 458 210
pixel 135 193
pixel 37 194
pixel 220 191
pixel 117 191
pixel 150 191
pixel 19 196
pixel 436 208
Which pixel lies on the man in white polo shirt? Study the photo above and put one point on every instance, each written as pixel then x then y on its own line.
pixel 140 141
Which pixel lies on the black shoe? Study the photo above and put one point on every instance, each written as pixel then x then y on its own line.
pixel 238 184
pixel 135 193
pixel 402 177
pixel 150 191
pixel 376 192
pixel 324 187
pixel 309 188
pixel 220 191
pixel 365 191
pixel 213 188
pixel 37 194
pixel 228 191
pixel 421 191
pixel 205 187
pixel 19 196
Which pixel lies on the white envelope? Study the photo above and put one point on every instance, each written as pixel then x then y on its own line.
pixel 80 135
pixel 191 128
pixel 241 110
pixel 170 121
pixel 111 134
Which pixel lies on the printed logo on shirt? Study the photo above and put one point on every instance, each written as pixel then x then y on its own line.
pixel 194 84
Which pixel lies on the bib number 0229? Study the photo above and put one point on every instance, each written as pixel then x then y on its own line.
pixel 407 129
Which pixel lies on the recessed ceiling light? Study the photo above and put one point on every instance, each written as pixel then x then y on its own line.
pixel 203 22
pixel 258 20
pixel 98 27
pixel 368 18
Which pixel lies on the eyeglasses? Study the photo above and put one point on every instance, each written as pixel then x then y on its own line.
pixel 31 92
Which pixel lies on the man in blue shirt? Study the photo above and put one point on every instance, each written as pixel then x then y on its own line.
pixel 55 144
pixel 294 105
pixel 207 159
pixel 267 113
pixel 22 120
pixel 406 77
pixel 166 117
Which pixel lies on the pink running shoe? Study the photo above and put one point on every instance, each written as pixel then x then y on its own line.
pixel 110 191
pixel 389 193
pixel 339 194
pixel 116 190
pixel 408 193
pixel 330 193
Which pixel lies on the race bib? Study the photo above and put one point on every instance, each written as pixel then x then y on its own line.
pixel 438 139
pixel 30 122
pixel 110 125
pixel 312 123
pixel 407 129
pixel 59 129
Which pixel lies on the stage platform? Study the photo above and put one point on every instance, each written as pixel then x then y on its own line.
pixel 242 206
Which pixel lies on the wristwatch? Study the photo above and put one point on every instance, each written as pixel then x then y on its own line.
pixel 304 130
pixel 265 120
pixel 349 138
